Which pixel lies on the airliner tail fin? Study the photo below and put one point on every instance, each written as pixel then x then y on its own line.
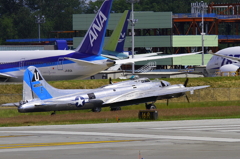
pixel 93 41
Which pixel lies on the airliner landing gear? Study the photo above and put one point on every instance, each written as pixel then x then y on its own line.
pixel 150 106
pixel 96 109
pixel 115 108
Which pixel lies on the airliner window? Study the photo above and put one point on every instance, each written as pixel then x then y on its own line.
pixel 91 96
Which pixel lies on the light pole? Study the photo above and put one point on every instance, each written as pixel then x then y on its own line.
pixel 202 6
pixel 133 21
pixel 39 20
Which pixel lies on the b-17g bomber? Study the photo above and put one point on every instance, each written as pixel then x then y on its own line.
pixel 39 96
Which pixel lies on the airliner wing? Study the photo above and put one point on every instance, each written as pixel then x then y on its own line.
pixel 227 57
pixel 127 61
pixel 80 62
pixel 146 54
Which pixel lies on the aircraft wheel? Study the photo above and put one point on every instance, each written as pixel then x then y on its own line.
pixel 115 108
pixel 153 107
pixel 150 106
pixel 97 109
pixel 53 113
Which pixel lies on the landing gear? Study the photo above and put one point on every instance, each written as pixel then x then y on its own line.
pixel 115 108
pixel 53 113
pixel 150 106
pixel 96 109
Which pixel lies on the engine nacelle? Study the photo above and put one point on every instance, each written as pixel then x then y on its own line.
pixel 230 69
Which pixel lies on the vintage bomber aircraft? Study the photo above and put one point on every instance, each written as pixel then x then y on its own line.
pixel 39 96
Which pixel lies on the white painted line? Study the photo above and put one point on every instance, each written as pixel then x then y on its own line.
pixel 144 136
pixel 198 127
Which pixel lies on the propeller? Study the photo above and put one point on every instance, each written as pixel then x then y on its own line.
pixel 186 82
pixel 185 85
pixel 110 80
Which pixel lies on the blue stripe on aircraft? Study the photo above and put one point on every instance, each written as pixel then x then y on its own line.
pixel 40 91
pixel 48 61
pixel 36 86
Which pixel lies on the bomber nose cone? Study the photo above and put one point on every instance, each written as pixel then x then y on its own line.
pixel 21 109
pixel 110 63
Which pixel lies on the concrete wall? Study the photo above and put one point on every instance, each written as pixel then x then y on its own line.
pixel 194 40
pixel 145 20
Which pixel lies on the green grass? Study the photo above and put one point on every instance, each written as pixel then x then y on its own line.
pixel 214 82
pixel 174 111
pixel 219 101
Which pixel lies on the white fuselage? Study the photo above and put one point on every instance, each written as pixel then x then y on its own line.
pixel 51 63
pixel 217 63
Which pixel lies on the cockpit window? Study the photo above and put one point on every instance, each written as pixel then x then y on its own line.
pixel 142 80
pixel 163 85
pixel 145 80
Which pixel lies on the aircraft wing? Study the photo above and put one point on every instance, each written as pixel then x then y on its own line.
pixel 110 57
pixel 128 61
pixel 80 62
pixel 138 95
pixel 146 55
pixel 5 75
pixel 114 68
pixel 227 57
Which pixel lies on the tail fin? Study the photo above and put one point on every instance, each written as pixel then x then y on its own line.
pixel 93 41
pixel 35 86
pixel 117 39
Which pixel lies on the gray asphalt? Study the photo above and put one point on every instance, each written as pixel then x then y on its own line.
pixel 196 139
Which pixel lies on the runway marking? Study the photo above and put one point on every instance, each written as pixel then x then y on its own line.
pixel 198 127
pixel 145 136
pixel 11 146
pixel 13 136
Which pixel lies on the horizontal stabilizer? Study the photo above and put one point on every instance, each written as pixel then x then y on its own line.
pixel 5 75
pixel 110 57
pixel 81 62
pixel 10 104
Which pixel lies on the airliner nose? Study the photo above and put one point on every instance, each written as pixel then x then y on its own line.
pixel 110 63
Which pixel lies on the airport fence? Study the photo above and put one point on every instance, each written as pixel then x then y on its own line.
pixel 202 95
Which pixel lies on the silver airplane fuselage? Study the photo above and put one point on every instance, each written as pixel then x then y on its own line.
pixel 89 99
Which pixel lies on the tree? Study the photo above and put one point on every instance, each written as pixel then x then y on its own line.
pixel 7 28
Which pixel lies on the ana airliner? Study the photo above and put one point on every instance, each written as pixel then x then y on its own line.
pixel 225 60
pixel 84 61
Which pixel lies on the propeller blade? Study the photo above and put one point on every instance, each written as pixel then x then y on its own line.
pixel 187 98
pixel 186 82
pixel 167 101
pixel 110 80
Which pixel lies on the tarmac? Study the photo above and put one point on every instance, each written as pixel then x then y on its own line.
pixel 189 139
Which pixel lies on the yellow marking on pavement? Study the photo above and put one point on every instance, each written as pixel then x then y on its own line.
pixel 13 136
pixel 11 146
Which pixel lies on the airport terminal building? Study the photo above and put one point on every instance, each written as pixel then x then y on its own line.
pixel 153 32
pixel 172 33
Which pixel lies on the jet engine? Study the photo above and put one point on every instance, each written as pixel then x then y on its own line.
pixel 229 69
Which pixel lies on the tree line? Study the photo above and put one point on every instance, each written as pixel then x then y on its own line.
pixel 18 16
